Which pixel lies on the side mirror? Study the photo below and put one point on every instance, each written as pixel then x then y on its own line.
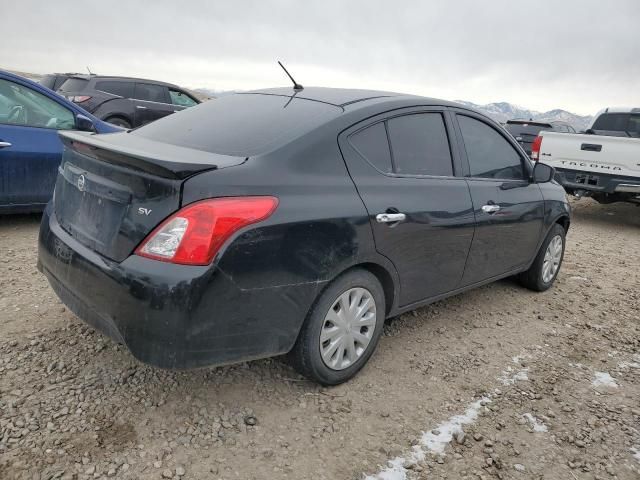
pixel 84 124
pixel 543 173
pixel 589 131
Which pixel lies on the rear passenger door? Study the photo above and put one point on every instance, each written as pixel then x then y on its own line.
pixel 405 170
pixel 152 102
pixel 508 208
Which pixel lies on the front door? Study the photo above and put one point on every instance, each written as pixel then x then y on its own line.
pixel 420 212
pixel 30 150
pixel 508 208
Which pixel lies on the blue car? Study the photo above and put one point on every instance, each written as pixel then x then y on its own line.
pixel 30 151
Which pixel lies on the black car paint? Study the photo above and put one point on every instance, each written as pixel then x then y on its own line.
pixel 251 302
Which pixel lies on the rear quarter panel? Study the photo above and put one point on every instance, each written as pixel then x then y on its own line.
pixel 319 229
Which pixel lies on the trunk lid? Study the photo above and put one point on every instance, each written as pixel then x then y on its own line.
pixel 114 189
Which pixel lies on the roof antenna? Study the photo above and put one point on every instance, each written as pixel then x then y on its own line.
pixel 89 70
pixel 296 85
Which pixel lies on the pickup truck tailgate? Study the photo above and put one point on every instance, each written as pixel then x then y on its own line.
pixel 618 156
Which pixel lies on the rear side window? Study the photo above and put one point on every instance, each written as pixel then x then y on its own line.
pixel 490 154
pixel 419 145
pixel 122 89
pixel 74 85
pixel 372 144
pixel 151 93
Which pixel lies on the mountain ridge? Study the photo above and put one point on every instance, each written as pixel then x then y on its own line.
pixel 503 111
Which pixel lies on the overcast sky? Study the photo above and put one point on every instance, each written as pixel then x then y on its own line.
pixel 577 55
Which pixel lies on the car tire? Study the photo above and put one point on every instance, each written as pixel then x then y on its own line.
pixel 545 267
pixel 119 122
pixel 312 358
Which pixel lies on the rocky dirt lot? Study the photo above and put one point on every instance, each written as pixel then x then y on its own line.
pixel 499 382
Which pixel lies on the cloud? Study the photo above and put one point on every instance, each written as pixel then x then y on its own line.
pixel 579 55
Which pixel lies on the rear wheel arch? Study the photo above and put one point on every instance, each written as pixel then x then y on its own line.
pixel 385 277
pixel 564 221
pixel 122 118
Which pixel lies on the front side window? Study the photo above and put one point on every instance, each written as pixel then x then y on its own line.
pixel 490 154
pixel 22 106
pixel 122 89
pixel 181 98
pixel 151 93
pixel 419 145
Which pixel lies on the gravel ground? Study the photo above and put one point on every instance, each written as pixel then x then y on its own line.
pixel 497 382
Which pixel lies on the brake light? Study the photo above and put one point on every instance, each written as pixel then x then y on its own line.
pixel 80 98
pixel 194 234
pixel 535 148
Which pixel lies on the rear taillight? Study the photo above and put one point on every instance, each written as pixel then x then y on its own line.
pixel 194 234
pixel 535 148
pixel 79 98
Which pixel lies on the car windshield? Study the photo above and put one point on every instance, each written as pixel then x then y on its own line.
pixel 240 124
pixel 74 85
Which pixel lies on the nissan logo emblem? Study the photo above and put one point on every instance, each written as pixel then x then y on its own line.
pixel 81 182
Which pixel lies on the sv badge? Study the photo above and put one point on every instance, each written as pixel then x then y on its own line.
pixel 144 211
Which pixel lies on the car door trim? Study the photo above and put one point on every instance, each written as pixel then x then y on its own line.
pixel 456 161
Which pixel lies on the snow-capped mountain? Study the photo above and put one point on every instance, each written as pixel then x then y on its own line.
pixel 503 111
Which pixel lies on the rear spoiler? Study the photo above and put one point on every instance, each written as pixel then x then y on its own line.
pixel 157 158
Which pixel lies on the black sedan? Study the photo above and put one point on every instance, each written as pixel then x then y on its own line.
pixel 292 221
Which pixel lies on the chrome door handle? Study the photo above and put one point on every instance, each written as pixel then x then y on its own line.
pixel 141 107
pixel 390 217
pixel 4 144
pixel 490 208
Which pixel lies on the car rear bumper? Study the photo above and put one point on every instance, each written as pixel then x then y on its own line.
pixel 597 182
pixel 171 316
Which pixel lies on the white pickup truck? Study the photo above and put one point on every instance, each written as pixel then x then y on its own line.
pixel 603 163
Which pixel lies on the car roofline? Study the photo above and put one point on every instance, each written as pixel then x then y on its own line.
pixel 130 79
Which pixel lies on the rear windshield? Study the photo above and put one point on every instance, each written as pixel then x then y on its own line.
pixel 526 128
pixel 241 124
pixel 48 81
pixel 619 122
pixel 74 85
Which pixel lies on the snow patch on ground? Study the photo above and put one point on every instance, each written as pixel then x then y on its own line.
pixel 628 365
pixel 537 425
pixel 511 376
pixel 604 379
pixel 434 441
